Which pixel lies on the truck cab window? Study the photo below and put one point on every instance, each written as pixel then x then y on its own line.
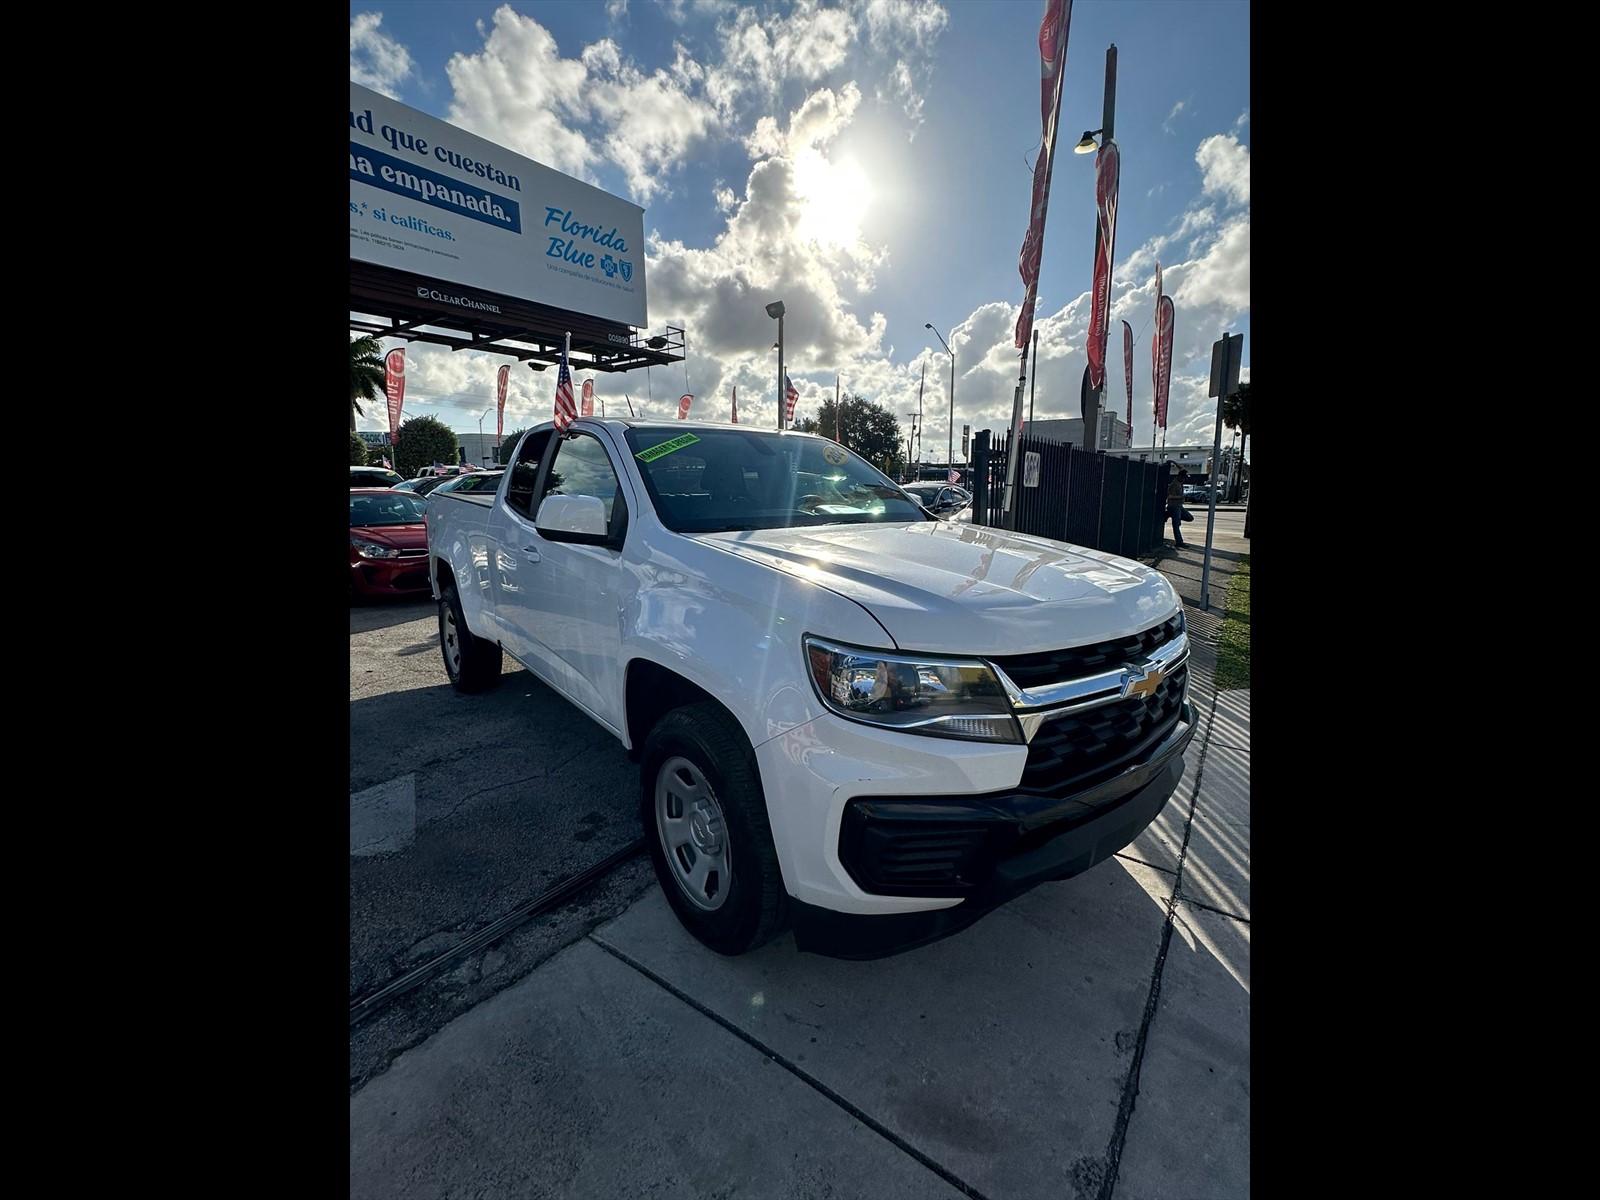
pixel 581 467
pixel 525 471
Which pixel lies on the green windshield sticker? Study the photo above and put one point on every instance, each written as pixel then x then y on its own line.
pixel 667 447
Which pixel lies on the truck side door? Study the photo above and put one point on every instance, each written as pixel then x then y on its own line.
pixel 570 602
pixel 510 533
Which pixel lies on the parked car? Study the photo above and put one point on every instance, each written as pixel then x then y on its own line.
pixel 388 543
pixel 478 481
pixel 941 499
pixel 422 484
pixel 371 477
pixel 1195 493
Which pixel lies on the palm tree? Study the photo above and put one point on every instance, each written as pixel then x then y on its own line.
pixel 1236 415
pixel 368 378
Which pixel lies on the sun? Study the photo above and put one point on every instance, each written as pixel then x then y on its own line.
pixel 834 196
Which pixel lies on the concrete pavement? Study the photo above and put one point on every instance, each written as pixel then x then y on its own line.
pixel 1090 1039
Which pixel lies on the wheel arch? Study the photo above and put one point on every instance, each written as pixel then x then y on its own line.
pixel 652 691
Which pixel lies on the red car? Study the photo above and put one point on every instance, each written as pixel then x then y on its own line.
pixel 388 543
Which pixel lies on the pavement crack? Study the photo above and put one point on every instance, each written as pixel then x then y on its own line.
pixel 811 1081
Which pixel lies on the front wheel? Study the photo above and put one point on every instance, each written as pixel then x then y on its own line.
pixel 705 821
pixel 472 662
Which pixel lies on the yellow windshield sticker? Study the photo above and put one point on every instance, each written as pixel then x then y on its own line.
pixel 834 454
pixel 667 447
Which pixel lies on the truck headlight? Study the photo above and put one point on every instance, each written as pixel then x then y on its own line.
pixel 913 693
pixel 372 550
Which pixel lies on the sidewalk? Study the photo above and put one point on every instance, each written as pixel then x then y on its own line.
pixel 1091 1038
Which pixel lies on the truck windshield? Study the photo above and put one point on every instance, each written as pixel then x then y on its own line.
pixel 713 480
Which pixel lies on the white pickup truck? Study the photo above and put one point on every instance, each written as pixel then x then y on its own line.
pixel 853 719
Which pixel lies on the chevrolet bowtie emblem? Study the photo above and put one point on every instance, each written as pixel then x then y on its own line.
pixel 1137 681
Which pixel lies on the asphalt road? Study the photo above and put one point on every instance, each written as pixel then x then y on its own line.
pixel 462 809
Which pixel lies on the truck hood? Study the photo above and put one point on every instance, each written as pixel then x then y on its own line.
pixel 967 589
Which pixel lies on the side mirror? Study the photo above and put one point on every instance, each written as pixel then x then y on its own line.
pixel 584 516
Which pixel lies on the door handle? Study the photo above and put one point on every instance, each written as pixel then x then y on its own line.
pixel 532 552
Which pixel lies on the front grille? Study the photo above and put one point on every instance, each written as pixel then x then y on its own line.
pixel 1077 749
pixel 1029 671
pixel 400 581
pixel 1081 748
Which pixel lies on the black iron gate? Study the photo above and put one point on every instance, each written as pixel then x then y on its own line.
pixel 1105 502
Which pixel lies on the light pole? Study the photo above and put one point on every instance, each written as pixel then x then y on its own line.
pixel 1091 408
pixel 950 447
pixel 775 311
pixel 481 454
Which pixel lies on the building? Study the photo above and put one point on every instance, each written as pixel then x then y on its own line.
pixel 1115 433
pixel 1196 460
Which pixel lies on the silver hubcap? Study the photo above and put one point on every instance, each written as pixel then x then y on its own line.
pixel 693 834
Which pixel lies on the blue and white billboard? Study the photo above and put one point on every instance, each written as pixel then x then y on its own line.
pixel 436 201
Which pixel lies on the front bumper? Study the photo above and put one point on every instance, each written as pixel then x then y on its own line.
pixel 985 849
pixel 406 576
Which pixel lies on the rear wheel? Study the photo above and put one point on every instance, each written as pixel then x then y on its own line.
pixel 472 663
pixel 705 820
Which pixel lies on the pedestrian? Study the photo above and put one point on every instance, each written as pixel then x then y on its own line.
pixel 1175 502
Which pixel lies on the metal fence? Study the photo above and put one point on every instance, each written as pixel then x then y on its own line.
pixel 1096 500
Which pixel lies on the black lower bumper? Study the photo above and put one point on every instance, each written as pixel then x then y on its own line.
pixel 1021 841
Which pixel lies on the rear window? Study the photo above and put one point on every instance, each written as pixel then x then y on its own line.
pixel 374 477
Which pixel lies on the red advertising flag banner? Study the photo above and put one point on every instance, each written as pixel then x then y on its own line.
pixel 588 398
pixel 683 405
pixel 1127 372
pixel 500 404
pixel 1165 318
pixel 735 406
pixel 1155 358
pixel 1106 170
pixel 1053 31
pixel 394 385
pixel 566 410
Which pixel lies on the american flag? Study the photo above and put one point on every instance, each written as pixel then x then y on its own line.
pixel 791 396
pixel 566 411
pixel 955 475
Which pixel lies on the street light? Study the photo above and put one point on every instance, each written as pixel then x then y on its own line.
pixel 775 311
pixel 950 448
pixel 486 412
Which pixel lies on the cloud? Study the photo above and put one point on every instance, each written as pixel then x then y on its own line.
pixel 377 61
pixel 1225 168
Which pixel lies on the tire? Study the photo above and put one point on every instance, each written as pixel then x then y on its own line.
pixel 705 821
pixel 472 663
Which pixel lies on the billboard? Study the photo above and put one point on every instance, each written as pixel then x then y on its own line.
pixel 435 201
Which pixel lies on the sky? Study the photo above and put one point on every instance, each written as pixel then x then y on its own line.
pixel 870 163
